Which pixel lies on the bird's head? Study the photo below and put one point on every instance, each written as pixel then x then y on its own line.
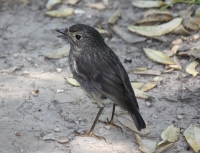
pixel 83 36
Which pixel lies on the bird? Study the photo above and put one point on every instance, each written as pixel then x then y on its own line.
pixel 100 73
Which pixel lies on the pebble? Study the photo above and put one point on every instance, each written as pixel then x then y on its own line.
pixel 58 70
pixel 180 116
pixel 155 116
pixel 16 54
pixel 148 104
pixel 56 129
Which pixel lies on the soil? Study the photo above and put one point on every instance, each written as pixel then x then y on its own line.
pixel 27 119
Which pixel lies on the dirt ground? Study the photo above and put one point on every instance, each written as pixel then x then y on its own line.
pixel 26 34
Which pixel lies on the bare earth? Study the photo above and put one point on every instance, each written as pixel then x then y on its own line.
pixel 26 120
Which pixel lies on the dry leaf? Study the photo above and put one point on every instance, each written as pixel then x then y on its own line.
pixel 153 31
pixel 192 23
pixel 152 20
pixel 73 82
pixel 163 145
pixel 177 42
pixel 72 2
pixel 192 135
pixel 143 86
pixel 191 68
pixel 129 123
pixel 60 13
pixel 99 6
pixel 35 93
pixel 177 62
pixel 141 68
pixel 115 17
pixel 175 49
pixel 181 30
pixel 168 71
pixel 103 31
pixel 140 94
pixel 150 72
pixel 129 38
pixel 168 52
pixel 147 3
pixel 158 56
pixel 186 13
pixel 145 145
pixel 151 12
pixel 171 134
pixel 59 53
pixel 193 52
pixel 51 3
pixel 158 79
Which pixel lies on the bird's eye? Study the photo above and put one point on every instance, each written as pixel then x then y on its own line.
pixel 78 37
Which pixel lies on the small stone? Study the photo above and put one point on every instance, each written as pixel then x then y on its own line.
pixel 79 11
pixel 25 73
pixel 16 54
pixel 58 70
pixel 18 134
pixel 155 116
pixel 62 140
pixel 56 129
pixel 148 104
pixel 59 90
pixel 107 127
pixel 180 116
pixel 29 59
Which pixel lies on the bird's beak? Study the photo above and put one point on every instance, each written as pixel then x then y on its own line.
pixel 63 31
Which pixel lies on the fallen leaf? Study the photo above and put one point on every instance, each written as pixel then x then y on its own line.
pixel 103 31
pixel 175 48
pixel 191 68
pixel 147 3
pixel 186 13
pixel 152 31
pixel 177 42
pixel 152 12
pixel 181 30
pixel 99 6
pixel 115 17
pixel 72 2
pixel 145 145
pixel 193 52
pixel 51 3
pixel 73 82
pixel 177 62
pixel 171 134
pixel 140 94
pixel 163 145
pixel 158 56
pixel 141 68
pixel 60 13
pixel 192 23
pixel 59 53
pixel 158 79
pixel 168 71
pixel 129 38
pixel 168 52
pixel 129 123
pixel 143 86
pixel 154 19
pixel 192 135
pixel 150 72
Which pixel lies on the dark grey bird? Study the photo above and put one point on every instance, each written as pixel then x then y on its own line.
pixel 99 71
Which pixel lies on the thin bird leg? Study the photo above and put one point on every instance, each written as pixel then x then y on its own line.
pixel 111 122
pixel 90 133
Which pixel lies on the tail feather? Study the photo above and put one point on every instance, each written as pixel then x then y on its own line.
pixel 139 122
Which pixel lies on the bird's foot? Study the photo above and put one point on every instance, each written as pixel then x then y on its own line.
pixel 111 123
pixel 90 134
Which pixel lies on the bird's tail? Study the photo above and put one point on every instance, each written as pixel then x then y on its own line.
pixel 139 122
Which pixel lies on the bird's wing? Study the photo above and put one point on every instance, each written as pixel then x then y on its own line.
pixel 105 72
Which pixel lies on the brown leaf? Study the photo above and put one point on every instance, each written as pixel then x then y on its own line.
pixel 177 42
pixel 72 2
pixel 150 72
pixel 193 52
pixel 186 13
pixel 191 68
pixel 181 30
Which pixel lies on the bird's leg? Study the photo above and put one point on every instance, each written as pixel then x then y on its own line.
pixel 111 122
pixel 90 133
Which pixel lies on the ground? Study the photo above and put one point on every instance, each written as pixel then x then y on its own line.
pixel 26 35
